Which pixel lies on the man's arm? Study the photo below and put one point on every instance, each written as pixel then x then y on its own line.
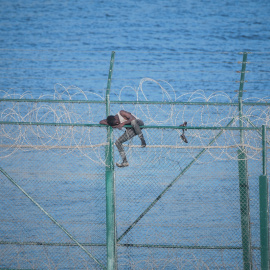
pixel 103 122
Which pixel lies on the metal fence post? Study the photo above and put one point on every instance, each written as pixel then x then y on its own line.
pixel 240 95
pixel 243 179
pixel 110 185
pixel 264 206
pixel 244 209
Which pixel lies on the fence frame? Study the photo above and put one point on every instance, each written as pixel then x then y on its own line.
pixel 111 241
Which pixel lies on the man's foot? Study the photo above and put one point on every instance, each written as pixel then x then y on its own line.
pixel 183 137
pixel 143 143
pixel 123 164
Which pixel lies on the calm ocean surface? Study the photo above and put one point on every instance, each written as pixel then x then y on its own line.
pixel 49 46
pixel 190 44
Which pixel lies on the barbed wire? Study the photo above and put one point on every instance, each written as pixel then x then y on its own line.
pixel 89 142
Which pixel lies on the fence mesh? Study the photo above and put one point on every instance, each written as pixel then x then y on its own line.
pixel 196 223
pixel 178 205
pixel 68 182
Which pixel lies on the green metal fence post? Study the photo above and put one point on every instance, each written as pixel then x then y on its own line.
pixel 264 207
pixel 264 150
pixel 243 179
pixel 244 209
pixel 110 185
pixel 240 94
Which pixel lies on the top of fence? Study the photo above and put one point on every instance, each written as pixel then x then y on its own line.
pixel 159 102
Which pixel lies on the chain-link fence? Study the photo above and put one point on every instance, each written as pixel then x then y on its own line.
pixel 197 205
pixel 52 198
pixel 189 207
pixel 177 206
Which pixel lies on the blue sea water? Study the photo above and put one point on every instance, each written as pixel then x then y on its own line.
pixel 189 45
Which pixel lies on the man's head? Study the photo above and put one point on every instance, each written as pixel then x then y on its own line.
pixel 112 121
